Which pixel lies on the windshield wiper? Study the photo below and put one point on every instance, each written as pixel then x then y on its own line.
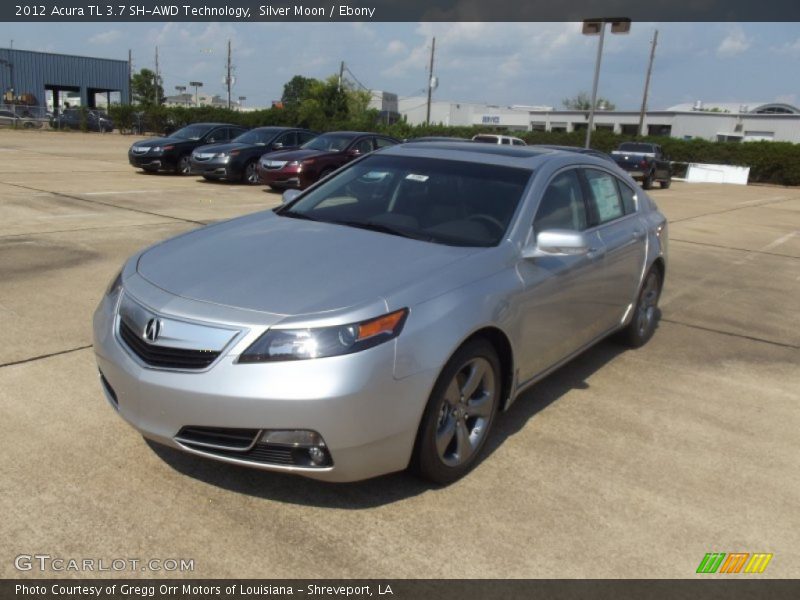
pixel 382 228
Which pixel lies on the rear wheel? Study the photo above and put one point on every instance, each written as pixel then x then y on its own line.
pixel 250 173
pixel 647 182
pixel 459 414
pixel 645 313
pixel 666 183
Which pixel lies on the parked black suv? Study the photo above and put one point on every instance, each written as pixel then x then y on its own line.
pixel 238 160
pixel 173 153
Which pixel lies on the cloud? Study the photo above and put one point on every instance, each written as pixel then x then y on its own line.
pixel 396 47
pixel 790 48
pixel 733 44
pixel 106 37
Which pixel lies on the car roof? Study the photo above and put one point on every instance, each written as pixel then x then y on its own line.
pixel 525 157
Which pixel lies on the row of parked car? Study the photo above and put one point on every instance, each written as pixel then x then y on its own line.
pixel 292 157
pixel 281 157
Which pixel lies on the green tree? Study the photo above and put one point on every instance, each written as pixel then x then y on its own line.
pixel 145 89
pixel 296 90
pixel 583 101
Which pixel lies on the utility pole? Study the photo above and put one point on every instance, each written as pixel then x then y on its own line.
pixel 130 76
pixel 430 84
pixel 157 81
pixel 341 74
pixel 647 82
pixel 228 76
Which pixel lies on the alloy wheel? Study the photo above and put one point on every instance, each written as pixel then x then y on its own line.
pixel 251 173
pixel 648 303
pixel 465 412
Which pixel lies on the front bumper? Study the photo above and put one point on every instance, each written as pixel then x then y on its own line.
pixel 214 169
pixel 151 161
pixel 280 178
pixel 366 416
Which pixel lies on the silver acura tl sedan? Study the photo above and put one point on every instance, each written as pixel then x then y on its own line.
pixel 382 318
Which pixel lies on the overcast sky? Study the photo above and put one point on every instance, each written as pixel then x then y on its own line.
pixel 499 63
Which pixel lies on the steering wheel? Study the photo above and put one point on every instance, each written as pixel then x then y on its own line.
pixel 489 220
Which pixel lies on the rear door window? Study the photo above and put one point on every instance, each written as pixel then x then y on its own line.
pixel 604 197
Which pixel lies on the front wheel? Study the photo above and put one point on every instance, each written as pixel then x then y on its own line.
pixel 184 166
pixel 645 313
pixel 250 174
pixel 459 414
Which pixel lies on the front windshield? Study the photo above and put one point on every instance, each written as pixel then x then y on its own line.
pixel 191 132
pixel 329 143
pixel 257 137
pixel 442 201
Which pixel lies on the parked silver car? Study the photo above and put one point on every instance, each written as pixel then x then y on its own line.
pixel 384 316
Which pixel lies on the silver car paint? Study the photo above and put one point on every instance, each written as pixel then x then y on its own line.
pixel 367 405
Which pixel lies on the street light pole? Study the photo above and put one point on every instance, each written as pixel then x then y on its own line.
pixel 596 81
pixel 196 85
pixel 594 27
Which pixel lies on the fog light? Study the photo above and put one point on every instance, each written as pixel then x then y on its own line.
pixel 292 437
pixel 317 455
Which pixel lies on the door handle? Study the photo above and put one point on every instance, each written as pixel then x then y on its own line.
pixel 637 235
pixel 595 253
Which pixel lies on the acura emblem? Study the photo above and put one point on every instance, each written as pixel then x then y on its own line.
pixel 152 330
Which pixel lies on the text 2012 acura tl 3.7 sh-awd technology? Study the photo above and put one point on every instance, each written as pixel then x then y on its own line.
pixel 384 316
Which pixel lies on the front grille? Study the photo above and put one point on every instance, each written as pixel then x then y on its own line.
pixel 273 164
pixel 165 357
pixel 239 444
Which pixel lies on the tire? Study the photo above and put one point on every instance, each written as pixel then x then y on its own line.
pixel 250 173
pixel 184 165
pixel 647 182
pixel 666 183
pixel 459 414
pixel 209 178
pixel 645 314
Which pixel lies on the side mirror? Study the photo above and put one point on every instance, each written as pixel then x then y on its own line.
pixel 354 152
pixel 277 146
pixel 290 195
pixel 557 242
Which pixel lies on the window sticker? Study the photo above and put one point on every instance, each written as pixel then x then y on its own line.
pixel 415 177
pixel 606 199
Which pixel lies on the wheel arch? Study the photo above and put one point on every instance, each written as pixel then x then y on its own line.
pixel 505 352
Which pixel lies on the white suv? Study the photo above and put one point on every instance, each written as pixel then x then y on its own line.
pixel 491 138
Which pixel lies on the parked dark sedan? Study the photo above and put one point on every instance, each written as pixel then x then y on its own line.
pixel 173 153
pixel 72 118
pixel 238 160
pixel 317 158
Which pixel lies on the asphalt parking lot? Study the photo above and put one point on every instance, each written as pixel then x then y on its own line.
pixel 621 464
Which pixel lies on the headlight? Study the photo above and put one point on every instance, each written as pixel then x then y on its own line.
pixel 301 344
pixel 294 163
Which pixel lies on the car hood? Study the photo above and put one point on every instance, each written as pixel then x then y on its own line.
pixel 228 147
pixel 290 155
pixel 287 266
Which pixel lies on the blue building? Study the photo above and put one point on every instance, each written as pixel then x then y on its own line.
pixel 42 78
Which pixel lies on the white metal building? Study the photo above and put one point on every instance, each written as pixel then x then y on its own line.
pixel 710 121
